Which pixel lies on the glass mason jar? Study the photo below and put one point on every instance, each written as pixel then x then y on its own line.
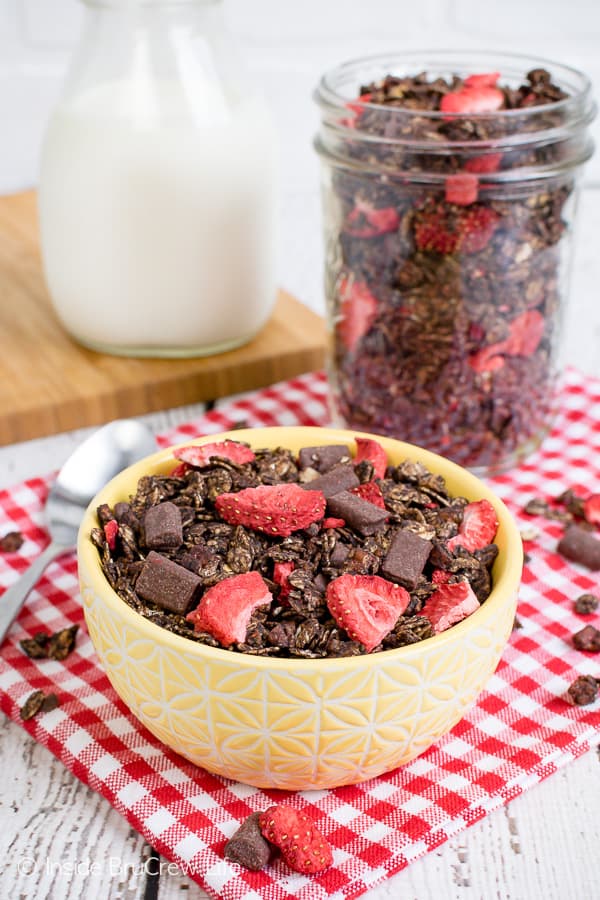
pixel 448 230
pixel 158 185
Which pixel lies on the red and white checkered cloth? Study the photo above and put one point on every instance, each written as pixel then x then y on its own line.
pixel 520 730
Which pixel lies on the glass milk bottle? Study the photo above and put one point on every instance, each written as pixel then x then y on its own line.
pixel 158 184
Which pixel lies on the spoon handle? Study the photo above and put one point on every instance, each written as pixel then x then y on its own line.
pixel 13 599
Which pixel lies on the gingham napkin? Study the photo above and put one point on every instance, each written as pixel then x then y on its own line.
pixel 520 730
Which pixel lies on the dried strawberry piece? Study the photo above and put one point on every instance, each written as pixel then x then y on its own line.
pixel 447 231
pixel 449 604
pixel 332 522
pixel 281 574
pixel 366 606
pixel 371 451
pixel 370 492
pixel 461 189
pixel 439 576
pixel 484 165
pixel 525 333
pixel 485 79
pixel 278 509
pixel 302 845
pixel 358 308
pixel 365 221
pixel 225 609
pixel 591 509
pixel 180 470
pixel 478 527
pixel 473 99
pixel 357 106
pixel 111 530
pixel 201 455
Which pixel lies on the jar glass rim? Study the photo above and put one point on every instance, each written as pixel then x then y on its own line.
pixel 328 91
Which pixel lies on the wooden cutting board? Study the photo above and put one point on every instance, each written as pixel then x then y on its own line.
pixel 48 383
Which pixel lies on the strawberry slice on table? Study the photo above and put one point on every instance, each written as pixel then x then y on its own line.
pixel 449 604
pixel 358 308
pixel 201 455
pixel 366 606
pixel 371 451
pixel 278 509
pixel 225 609
pixel 302 845
pixel 591 509
pixel 478 527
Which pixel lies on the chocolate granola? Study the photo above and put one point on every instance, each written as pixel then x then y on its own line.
pixel 281 579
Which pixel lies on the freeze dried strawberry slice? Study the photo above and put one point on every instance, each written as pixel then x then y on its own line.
pixel 302 845
pixel 278 509
pixel 111 530
pixel 449 604
pixel 473 99
pixel 180 470
pixel 484 165
pixel 373 452
pixel 591 509
pixel 439 576
pixel 525 333
pixel 332 522
pixel 485 79
pixel 281 574
pixel 478 527
pixel 357 106
pixel 366 606
pixel 462 188
pixel 358 308
pixel 365 221
pixel 225 609
pixel 448 231
pixel 370 492
pixel 201 455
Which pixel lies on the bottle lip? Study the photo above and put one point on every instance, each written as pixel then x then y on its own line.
pixel 463 62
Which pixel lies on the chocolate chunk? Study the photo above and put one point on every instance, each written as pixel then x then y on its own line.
pixel 248 846
pixel 580 546
pixel 163 582
pixel 356 512
pixel 406 558
pixel 200 559
pixel 11 542
pixel 341 478
pixel 586 604
pixel 323 458
pixel 162 525
pixel 583 690
pixel 587 639
pixel 339 554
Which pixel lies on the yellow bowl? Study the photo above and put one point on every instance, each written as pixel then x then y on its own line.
pixel 298 724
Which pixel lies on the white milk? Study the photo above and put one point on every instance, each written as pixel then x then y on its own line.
pixel 157 214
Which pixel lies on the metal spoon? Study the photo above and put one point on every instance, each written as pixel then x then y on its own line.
pixel 94 462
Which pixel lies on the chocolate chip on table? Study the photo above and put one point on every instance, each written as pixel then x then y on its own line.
pixel 247 846
pixel 586 604
pixel 50 646
pixel 580 546
pixel 167 584
pixel 339 478
pixel 587 639
pixel 405 560
pixel 359 514
pixel 11 542
pixel 323 458
pixel 163 527
pixel 583 690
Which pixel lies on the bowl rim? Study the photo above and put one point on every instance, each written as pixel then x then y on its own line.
pixel 505 588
